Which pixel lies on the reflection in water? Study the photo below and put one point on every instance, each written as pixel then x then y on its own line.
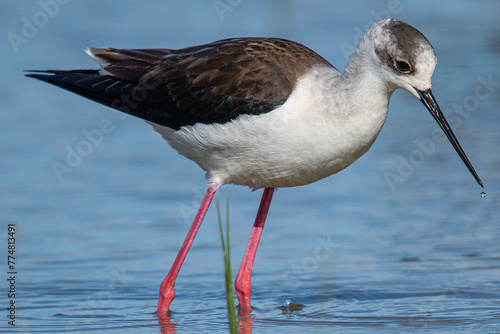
pixel 167 326
pixel 245 321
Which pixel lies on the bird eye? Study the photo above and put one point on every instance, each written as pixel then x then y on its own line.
pixel 402 66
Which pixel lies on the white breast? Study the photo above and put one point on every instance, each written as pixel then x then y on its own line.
pixel 318 132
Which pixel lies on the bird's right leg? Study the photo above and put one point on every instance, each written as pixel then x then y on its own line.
pixel 167 291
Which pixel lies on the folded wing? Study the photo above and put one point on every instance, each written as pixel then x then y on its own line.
pixel 212 83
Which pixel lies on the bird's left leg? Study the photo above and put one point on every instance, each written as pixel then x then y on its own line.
pixel 242 283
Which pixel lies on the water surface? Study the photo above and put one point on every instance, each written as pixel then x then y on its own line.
pixel 362 251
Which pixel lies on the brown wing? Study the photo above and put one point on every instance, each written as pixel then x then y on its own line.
pixel 209 83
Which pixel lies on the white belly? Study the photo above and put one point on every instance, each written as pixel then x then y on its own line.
pixel 298 143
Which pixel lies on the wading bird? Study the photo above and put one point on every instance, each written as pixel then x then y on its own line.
pixel 261 112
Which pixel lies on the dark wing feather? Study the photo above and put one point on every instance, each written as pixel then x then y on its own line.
pixel 212 83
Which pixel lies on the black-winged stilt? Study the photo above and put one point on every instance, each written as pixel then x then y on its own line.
pixel 262 112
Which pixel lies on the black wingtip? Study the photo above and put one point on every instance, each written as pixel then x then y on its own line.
pixel 40 75
pixel 45 76
pixel 107 90
pixel 49 73
pixel 36 73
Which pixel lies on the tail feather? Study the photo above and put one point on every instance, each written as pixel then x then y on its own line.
pixel 126 96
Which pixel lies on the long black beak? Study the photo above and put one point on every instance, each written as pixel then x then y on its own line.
pixel 430 102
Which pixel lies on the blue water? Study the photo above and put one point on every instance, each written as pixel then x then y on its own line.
pixel 417 253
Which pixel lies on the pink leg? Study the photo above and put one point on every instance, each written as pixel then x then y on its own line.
pixel 167 292
pixel 242 283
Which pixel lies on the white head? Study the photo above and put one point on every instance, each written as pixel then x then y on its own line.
pixel 402 57
pixel 400 54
